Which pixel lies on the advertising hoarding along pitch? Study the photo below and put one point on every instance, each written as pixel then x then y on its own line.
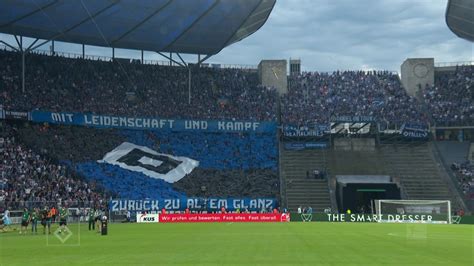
pixel 214 218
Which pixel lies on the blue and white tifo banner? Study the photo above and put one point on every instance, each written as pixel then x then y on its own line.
pixel 180 204
pixel 144 123
pixel 150 163
pixel 413 130
pixel 306 145
pixel 353 119
pixel 306 131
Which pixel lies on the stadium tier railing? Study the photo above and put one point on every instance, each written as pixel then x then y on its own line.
pixel 449 64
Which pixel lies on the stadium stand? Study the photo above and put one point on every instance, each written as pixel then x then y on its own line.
pixel 231 165
pixel 316 97
pixel 133 89
pixel 302 189
pixel 455 158
pixel 128 89
pixel 412 165
pixel 465 177
pixel 451 100
pixel 417 170
pixel 213 150
pixel 31 179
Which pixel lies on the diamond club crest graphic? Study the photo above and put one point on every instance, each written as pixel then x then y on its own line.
pixel 63 235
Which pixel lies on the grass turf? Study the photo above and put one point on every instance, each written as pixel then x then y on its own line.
pixel 246 244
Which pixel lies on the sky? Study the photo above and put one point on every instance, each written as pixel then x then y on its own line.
pixel 330 35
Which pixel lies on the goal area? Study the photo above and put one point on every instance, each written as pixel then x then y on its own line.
pixel 413 211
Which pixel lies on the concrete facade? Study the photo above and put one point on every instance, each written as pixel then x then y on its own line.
pixel 349 144
pixel 415 72
pixel 273 73
pixel 295 67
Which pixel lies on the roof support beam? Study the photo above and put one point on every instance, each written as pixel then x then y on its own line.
pixel 23 70
pixel 171 59
pixel 189 85
pixel 11 46
pixel 31 45
pixel 19 42
pixel 184 63
pixel 200 61
pixel 39 45
pixel 141 22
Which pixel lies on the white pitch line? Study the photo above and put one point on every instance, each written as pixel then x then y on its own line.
pixel 427 237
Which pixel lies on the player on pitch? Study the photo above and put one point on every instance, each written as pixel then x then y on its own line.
pixel 34 216
pixel 46 216
pixel 91 218
pixel 25 219
pixel 63 214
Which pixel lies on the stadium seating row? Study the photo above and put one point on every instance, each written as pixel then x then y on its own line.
pixel 230 164
pixel 132 89
pixel 117 88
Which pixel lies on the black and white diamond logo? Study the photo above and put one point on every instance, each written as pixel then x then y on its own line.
pixel 63 234
pixel 152 162
pixel 149 162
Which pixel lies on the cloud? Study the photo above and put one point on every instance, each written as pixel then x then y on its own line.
pixel 346 34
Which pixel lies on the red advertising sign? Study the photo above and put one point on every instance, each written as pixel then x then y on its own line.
pixel 224 218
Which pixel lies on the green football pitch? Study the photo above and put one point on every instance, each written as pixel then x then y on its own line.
pixel 245 244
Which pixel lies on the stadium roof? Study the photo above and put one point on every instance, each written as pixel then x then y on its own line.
pixel 179 26
pixel 460 18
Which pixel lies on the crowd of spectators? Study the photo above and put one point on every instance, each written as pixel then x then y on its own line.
pixel 213 150
pixel 230 164
pixel 316 98
pixel 28 178
pixel 70 143
pixel 465 176
pixel 55 83
pixel 450 100
pixel 222 151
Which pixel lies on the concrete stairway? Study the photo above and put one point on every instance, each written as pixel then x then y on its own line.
pixel 417 171
pixel 301 191
pixel 356 163
pixel 414 166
